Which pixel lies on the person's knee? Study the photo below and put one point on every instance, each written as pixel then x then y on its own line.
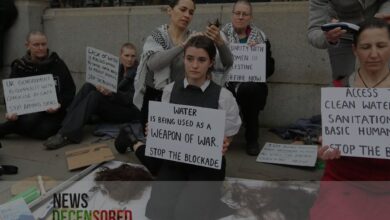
pixel 95 95
pixel 250 89
pixel 46 129
pixel 29 121
pixel 87 87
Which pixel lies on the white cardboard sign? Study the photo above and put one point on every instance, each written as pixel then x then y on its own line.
pixel 249 63
pixel 30 94
pixel 357 121
pixel 186 134
pixel 102 68
pixel 289 154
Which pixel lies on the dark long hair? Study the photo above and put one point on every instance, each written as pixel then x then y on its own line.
pixel 202 42
pixel 173 3
pixel 370 23
pixel 205 43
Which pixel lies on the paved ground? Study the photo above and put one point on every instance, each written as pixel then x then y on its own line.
pixel 32 159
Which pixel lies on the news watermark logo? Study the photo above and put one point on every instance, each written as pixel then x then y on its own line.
pixel 74 206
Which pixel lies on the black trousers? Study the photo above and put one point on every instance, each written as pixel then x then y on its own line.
pixel 88 102
pixel 151 163
pixel 251 97
pixel 40 125
pixel 151 94
pixel 184 191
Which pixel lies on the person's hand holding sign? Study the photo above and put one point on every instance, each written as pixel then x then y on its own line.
pixel 252 43
pixel 226 143
pixel 326 152
pixel 53 110
pixel 103 90
pixel 11 116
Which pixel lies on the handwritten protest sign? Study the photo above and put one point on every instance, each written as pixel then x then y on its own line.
pixel 290 154
pixel 187 134
pixel 249 63
pixel 30 94
pixel 356 121
pixel 102 69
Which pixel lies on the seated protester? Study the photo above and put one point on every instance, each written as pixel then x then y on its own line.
pixel 39 61
pixel 97 100
pixel 353 187
pixel 174 201
pixel 251 96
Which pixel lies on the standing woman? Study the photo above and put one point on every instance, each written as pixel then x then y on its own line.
pixel 362 188
pixel 162 58
pixel 251 96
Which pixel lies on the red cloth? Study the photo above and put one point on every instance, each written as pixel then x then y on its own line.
pixel 354 168
pixel 348 201
pixel 338 83
pixel 354 188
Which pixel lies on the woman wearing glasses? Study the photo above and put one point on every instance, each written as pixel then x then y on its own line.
pixel 251 96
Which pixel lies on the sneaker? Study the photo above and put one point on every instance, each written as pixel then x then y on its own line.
pixel 253 149
pixel 56 141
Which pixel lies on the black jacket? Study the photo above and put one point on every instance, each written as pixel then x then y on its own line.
pixel 270 62
pixel 54 65
pixel 125 92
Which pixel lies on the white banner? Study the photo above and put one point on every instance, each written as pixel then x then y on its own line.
pixel 30 94
pixel 357 121
pixel 102 68
pixel 290 154
pixel 186 134
pixel 249 63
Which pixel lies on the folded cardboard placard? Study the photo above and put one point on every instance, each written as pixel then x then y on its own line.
pixel 288 154
pixel 86 156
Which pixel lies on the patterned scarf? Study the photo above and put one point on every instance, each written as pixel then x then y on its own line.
pixel 158 41
pixel 255 34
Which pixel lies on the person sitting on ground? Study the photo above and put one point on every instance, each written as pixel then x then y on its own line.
pixel 98 100
pixel 368 198
pixel 251 96
pixel 38 61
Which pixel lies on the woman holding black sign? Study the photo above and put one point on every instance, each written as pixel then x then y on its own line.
pixel 359 200
pixel 251 96
pixel 38 61
pixel 99 101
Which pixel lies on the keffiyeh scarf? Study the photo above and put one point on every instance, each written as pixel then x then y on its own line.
pixel 158 41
